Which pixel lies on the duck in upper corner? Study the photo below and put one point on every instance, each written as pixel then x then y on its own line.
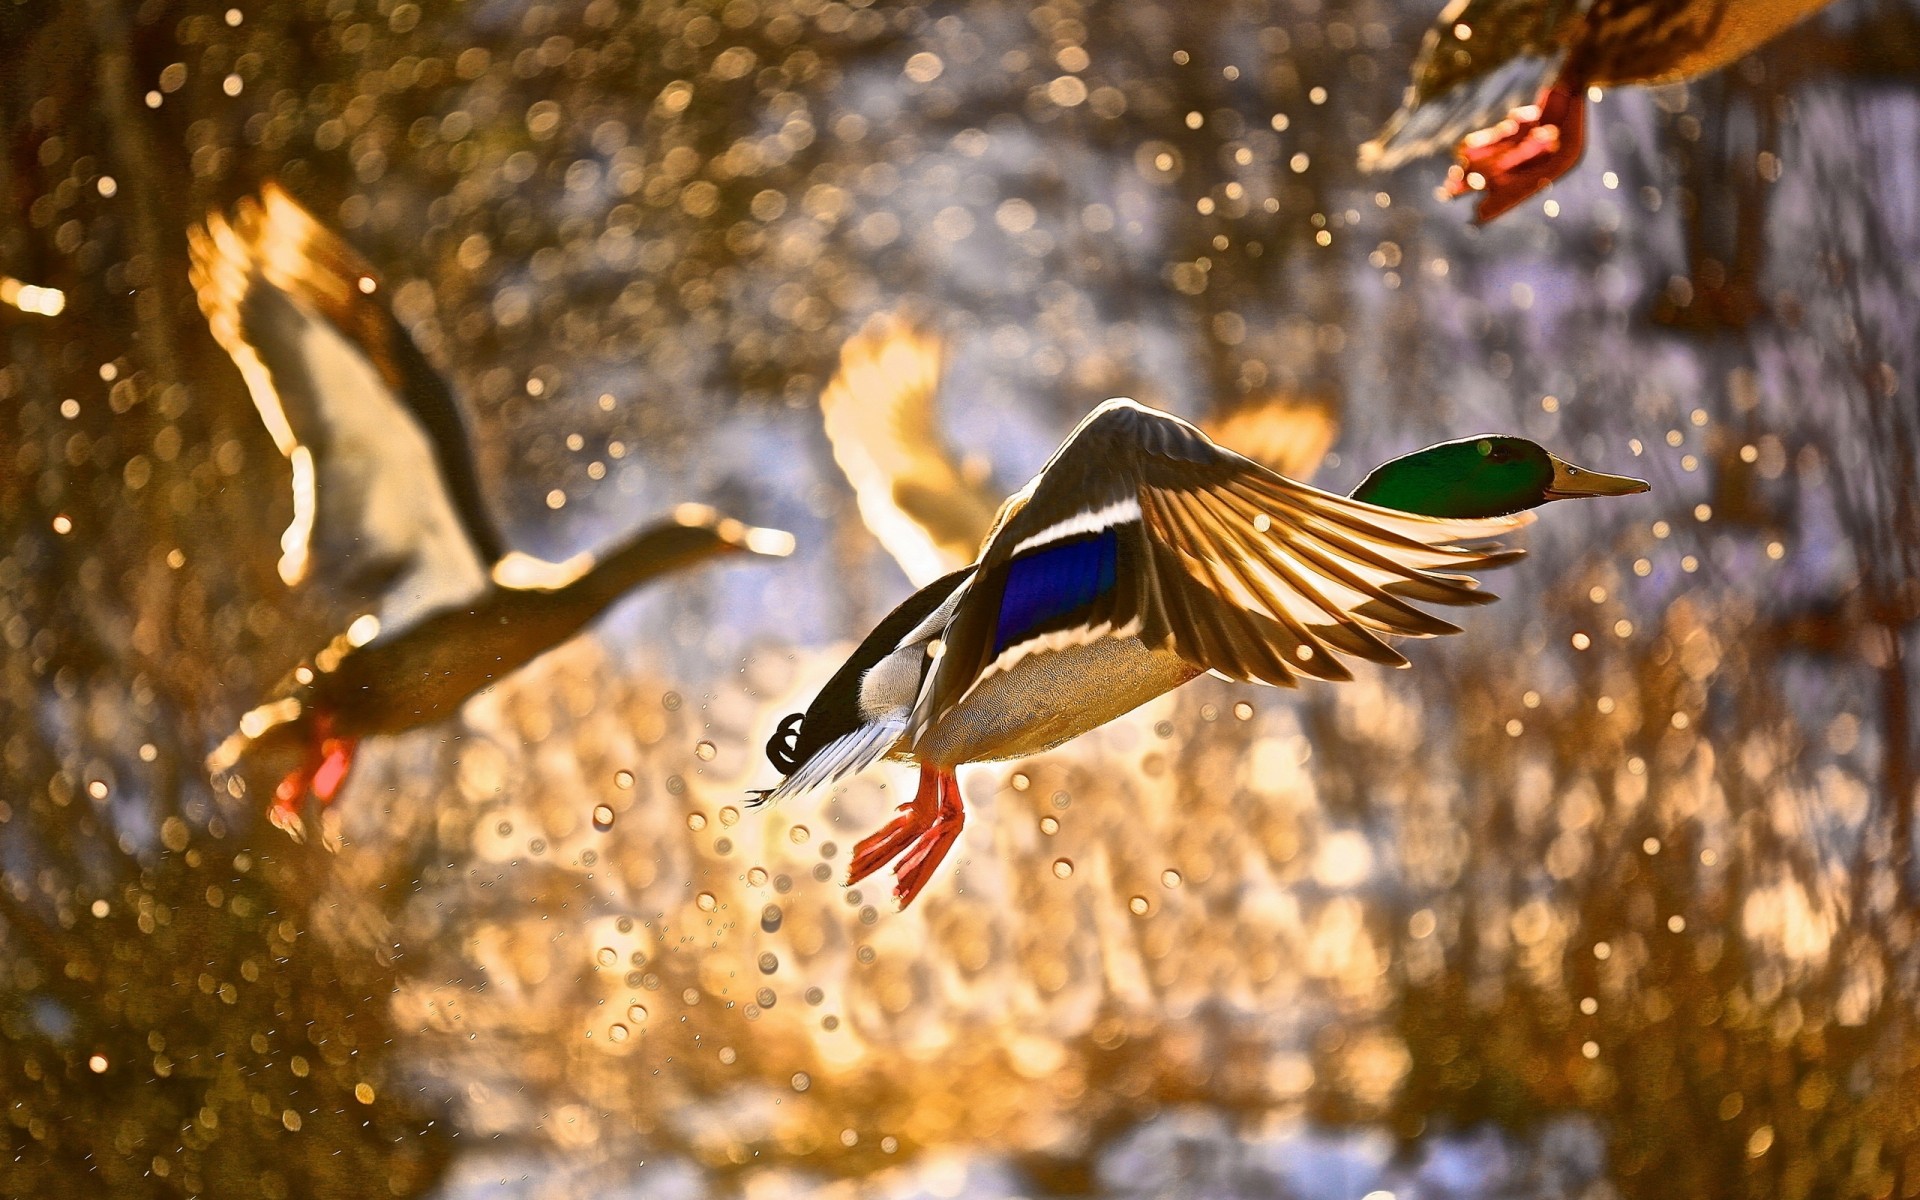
pixel 387 498
pixel 1504 82
pixel 1144 555
pixel 929 507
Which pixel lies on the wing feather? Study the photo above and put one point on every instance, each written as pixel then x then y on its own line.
pixel 385 491
pixel 1238 570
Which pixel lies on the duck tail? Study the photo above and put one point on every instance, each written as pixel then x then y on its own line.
pixel 785 739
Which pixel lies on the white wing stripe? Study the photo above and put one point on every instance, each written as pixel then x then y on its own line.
pixel 842 756
pixel 1118 512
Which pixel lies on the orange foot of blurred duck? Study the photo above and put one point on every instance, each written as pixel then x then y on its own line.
pixel 1516 159
pixel 322 774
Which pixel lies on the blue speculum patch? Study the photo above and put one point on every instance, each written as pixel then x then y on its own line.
pixel 1047 588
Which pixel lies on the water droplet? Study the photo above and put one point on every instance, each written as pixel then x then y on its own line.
pixel 723 846
pixel 618 1033
pixel 1139 906
pixel 1061 800
pixel 828 849
pixel 814 995
pixel 1049 825
pixel 605 956
pixel 765 998
pixel 636 1013
pixel 1209 712
pixel 504 828
pixel 538 846
pixel 770 918
pixel 1163 729
pixel 829 1023
pixel 705 751
pixel 706 902
pixel 670 702
pixel 865 954
pixel 729 815
pixel 769 963
pixel 1021 782
pixel 623 780
pixel 757 877
pixel 602 817
pixel 1062 867
pixel 799 834
pixel 696 821
pixel 1242 711
pixel 624 924
pixel 97 1064
pixel 801 1081
pixel 727 1056
pixel 1170 878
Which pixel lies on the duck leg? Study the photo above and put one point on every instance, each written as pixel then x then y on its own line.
pixel 1514 160
pixel 916 817
pixel 322 773
pixel 336 757
pixel 913 871
pixel 285 810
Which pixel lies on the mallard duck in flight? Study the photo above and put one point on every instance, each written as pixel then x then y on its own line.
pixel 1142 556
pixel 387 499
pixel 1504 82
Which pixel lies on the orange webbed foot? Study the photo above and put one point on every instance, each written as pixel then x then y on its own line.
pixel 919 837
pixel 1516 159
pixel 321 775
pixel 336 757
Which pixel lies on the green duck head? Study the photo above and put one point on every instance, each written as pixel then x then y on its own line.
pixel 1486 476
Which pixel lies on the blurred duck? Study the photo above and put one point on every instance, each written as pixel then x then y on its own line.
pixel 1504 82
pixel 1142 556
pixel 387 499
pixel 929 507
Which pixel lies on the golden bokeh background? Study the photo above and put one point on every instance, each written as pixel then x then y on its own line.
pixel 1612 895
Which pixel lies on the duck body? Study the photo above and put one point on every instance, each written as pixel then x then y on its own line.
pixel 1504 82
pixel 1142 556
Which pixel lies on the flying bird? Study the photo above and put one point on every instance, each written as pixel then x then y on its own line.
pixel 1504 83
pixel 1143 555
pixel 929 507
pixel 387 504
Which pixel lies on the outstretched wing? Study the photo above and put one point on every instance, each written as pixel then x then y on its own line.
pixel 925 506
pixel 1141 526
pixel 385 493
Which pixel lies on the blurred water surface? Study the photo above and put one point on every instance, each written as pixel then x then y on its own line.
pixel 1610 896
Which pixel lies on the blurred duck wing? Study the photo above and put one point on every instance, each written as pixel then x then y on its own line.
pixel 1140 526
pixel 881 420
pixel 386 500
pixel 1288 435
